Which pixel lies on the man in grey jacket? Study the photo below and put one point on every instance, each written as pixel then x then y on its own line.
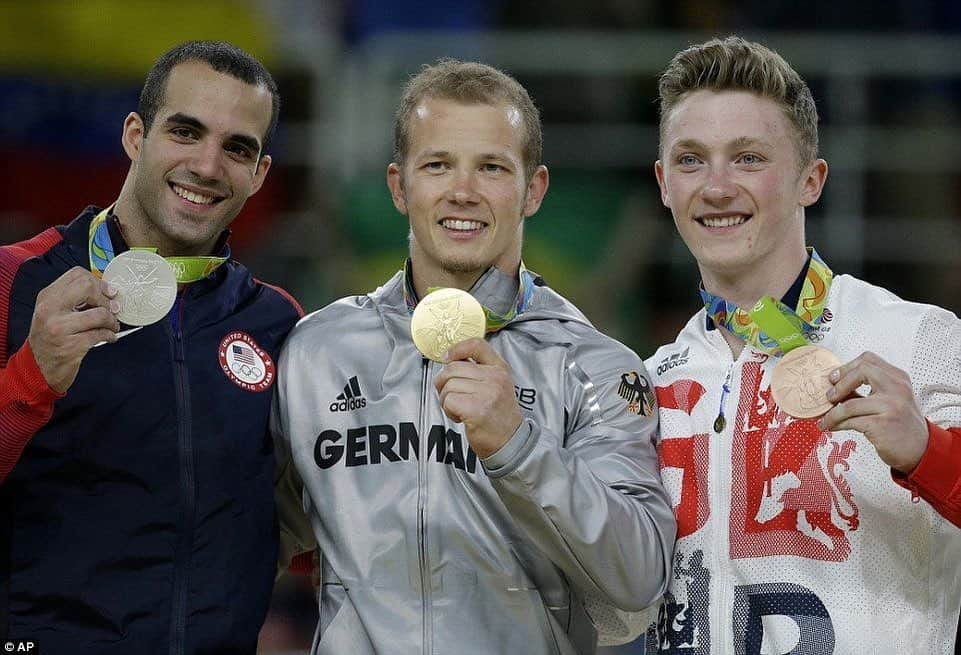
pixel 508 499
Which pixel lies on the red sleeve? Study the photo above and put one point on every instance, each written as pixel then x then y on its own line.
pixel 26 400
pixel 937 477
pixel 26 404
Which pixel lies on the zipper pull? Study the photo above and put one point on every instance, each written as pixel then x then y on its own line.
pixel 721 422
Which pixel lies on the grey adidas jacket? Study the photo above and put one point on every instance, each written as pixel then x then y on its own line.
pixel 428 549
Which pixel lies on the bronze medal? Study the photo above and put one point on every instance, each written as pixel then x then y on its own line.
pixel 800 381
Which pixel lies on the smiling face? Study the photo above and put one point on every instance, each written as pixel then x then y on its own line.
pixel 463 189
pixel 731 177
pixel 192 173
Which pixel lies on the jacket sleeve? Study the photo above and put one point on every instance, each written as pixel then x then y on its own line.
pixel 936 379
pixel 296 534
pixel 591 499
pixel 26 405
pixel 937 477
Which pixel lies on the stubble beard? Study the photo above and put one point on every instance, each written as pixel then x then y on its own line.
pixel 460 267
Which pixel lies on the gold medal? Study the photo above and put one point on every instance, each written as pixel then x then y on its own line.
pixel 146 286
pixel 800 381
pixel 446 317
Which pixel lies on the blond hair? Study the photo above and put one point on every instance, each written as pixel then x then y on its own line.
pixel 469 83
pixel 733 64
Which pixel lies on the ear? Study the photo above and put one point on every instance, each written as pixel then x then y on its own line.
pixel 133 135
pixel 261 173
pixel 662 183
pixel 396 185
pixel 536 190
pixel 812 182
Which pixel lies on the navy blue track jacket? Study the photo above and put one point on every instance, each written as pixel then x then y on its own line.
pixel 140 518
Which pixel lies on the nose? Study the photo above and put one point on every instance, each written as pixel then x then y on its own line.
pixel 718 188
pixel 206 161
pixel 462 190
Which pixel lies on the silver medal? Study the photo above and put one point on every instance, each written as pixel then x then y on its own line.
pixel 146 286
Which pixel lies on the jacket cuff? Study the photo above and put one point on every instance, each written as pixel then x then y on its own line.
pixel 27 383
pixel 509 456
pixel 936 473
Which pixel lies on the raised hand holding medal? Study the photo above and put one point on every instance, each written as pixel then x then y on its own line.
pixel 476 387
pixel 889 416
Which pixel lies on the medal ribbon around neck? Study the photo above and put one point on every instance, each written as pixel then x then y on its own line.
pixel 186 269
pixel 494 320
pixel 771 326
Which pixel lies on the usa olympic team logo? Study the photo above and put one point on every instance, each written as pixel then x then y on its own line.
pixel 245 363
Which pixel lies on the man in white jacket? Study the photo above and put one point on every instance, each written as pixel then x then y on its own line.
pixel 795 535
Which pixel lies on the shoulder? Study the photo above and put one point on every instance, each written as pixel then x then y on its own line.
pixel 868 308
pixel 593 346
pixel 692 333
pixel 281 295
pixel 13 255
pixel 333 326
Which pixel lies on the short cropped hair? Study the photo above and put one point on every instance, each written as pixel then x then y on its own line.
pixel 733 64
pixel 222 57
pixel 469 82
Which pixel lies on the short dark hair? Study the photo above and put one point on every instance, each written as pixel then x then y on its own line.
pixel 224 58
pixel 734 64
pixel 469 82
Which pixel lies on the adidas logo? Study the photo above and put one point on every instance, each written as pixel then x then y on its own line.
pixel 677 359
pixel 350 399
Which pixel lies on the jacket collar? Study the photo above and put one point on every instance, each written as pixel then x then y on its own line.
pixel 493 286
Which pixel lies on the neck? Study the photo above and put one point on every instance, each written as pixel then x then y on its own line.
pixel 422 283
pixel 746 288
pixel 427 277
pixel 733 341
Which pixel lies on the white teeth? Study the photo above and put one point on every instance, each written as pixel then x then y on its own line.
pixel 723 221
pixel 455 224
pixel 193 197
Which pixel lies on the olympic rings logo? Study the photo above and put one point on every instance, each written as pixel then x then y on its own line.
pixel 252 372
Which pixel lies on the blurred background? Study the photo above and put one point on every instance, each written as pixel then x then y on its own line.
pixel 887 82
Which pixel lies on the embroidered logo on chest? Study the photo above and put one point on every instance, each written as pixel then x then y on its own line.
pixel 246 363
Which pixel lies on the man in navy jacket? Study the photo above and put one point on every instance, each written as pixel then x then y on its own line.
pixel 136 502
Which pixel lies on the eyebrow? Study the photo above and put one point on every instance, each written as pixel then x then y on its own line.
pixel 749 142
pixel 738 143
pixel 446 154
pixel 185 119
pixel 434 154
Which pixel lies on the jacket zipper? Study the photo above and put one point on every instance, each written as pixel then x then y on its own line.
pixel 422 487
pixel 187 483
pixel 723 450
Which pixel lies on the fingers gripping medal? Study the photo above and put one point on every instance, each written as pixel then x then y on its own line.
pixel 443 318
pixel 146 286
pixel 800 381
